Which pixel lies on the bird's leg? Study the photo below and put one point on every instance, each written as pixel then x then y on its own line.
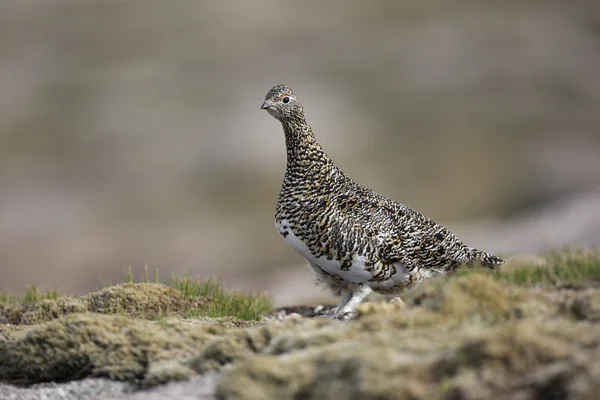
pixel 347 311
pixel 345 297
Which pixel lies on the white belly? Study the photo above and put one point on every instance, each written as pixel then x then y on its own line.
pixel 355 274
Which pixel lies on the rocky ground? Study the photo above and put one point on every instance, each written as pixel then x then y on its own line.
pixel 530 331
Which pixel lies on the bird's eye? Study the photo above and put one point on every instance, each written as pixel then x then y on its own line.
pixel 286 100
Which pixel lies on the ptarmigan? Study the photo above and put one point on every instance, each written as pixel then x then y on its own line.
pixel 354 239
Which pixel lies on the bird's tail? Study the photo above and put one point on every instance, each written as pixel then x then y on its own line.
pixel 486 259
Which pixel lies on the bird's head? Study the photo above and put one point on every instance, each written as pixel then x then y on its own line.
pixel 281 103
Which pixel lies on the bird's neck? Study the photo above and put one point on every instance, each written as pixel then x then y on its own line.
pixel 303 150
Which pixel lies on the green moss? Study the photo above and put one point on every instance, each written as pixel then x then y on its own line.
pixel 511 357
pixel 516 347
pixel 138 300
pixel 7 330
pixel 477 298
pixel 462 362
pixel 584 305
pixel 241 344
pixel 346 370
pixel 143 300
pixel 116 347
pixel 40 311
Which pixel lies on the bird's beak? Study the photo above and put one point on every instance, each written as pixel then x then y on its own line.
pixel 264 106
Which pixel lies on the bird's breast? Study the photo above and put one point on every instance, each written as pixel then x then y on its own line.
pixel 296 238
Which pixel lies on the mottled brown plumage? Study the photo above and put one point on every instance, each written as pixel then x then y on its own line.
pixel 354 239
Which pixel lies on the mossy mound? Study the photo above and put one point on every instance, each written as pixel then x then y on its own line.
pixel 463 337
pixel 241 344
pixel 95 345
pixel 44 310
pixel 457 364
pixel 137 300
pixel 584 305
pixel 466 295
pixel 523 333
pixel 142 332
pixel 143 300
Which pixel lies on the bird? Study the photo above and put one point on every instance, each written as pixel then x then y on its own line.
pixel 355 240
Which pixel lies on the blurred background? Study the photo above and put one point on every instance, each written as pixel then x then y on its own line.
pixel 131 135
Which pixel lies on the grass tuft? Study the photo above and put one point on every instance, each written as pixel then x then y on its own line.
pixel 32 294
pixel 223 303
pixel 556 268
pixel 104 281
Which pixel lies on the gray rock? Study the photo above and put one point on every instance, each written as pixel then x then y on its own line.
pixel 197 388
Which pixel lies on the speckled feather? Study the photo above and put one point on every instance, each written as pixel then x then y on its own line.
pixel 351 235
